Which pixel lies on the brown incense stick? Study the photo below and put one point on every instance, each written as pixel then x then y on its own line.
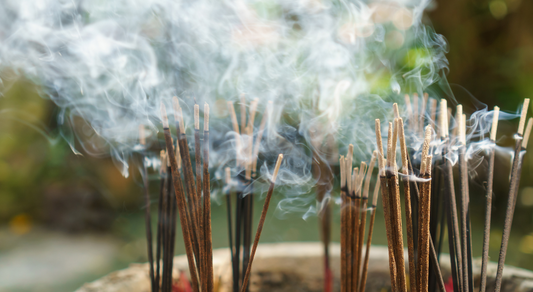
pixel 513 191
pixel 207 204
pixel 180 199
pixel 395 208
pixel 408 213
pixel 488 205
pixel 386 208
pixel 261 222
pixel 343 224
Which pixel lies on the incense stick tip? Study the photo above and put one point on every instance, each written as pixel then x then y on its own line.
pixel 196 117
pixel 164 117
pixel 206 117
pixel 523 117
pixel 276 168
pixel 494 128
pixel 527 133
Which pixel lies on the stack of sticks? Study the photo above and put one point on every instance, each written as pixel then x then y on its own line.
pixel 242 188
pixel 193 201
pixel 430 196
pixel 354 200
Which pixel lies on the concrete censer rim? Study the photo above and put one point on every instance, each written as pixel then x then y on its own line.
pixel 301 259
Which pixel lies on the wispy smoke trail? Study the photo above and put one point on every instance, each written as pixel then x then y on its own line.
pixel 329 67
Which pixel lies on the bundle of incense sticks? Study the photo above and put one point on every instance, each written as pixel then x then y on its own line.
pixel 430 196
pixel 247 151
pixel 192 201
pixel 354 199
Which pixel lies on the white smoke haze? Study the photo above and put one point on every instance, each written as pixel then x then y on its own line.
pixel 329 67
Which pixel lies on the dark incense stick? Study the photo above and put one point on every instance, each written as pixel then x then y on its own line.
pixel 147 216
pixel 261 222
pixel 488 205
pixel 521 143
pixel 207 203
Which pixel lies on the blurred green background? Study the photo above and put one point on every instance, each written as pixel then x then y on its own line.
pixel 66 219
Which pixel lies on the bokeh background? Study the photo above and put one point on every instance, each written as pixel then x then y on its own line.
pixel 66 219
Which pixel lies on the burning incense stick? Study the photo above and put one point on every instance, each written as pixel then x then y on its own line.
pixel 207 204
pixel 513 191
pixel 147 217
pixel 386 207
pixel 408 212
pixel 488 206
pixel 424 214
pixel 261 222
pixel 343 224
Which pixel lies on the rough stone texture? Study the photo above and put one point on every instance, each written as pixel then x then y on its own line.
pixel 292 267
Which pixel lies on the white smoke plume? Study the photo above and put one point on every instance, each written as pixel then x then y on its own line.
pixel 329 67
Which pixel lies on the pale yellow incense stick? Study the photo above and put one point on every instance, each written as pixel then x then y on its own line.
pixel 395 110
pixel 379 142
pixel 196 117
pixel 523 117
pixel 142 138
pixel 494 127
pixel 206 117
pixel 228 175
pixel 164 117
pixel 243 113
pixel 390 159
pixel 425 150
pixel 369 174
pixel 443 118
pixel 178 115
pixel 253 111
pixel 349 159
pixel 527 133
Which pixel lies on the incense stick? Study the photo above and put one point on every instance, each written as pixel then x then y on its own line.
pixel 408 212
pixel 147 217
pixel 262 221
pixel 386 207
pixel 343 259
pixel 207 204
pixel 513 191
pixel 488 203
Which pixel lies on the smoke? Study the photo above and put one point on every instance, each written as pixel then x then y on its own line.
pixel 329 67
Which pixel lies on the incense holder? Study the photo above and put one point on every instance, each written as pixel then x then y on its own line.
pixel 296 266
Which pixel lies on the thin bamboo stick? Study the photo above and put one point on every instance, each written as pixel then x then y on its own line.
pixel 262 222
pixel 488 205
pixel 513 191
pixel 408 213
pixel 147 216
